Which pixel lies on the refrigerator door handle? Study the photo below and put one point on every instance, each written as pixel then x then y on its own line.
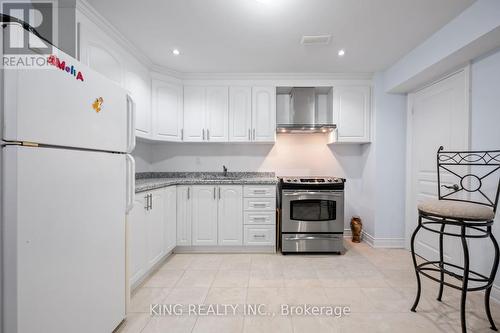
pixel 131 124
pixel 130 182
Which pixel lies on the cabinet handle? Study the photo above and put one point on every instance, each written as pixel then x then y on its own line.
pixel 182 134
pixel 146 202
pixel 254 134
pixel 259 191
pixel 259 205
pixel 249 135
pixel 188 192
pixel 214 193
pixel 208 134
pixel 259 218
pixel 259 236
pixel 203 134
pixel 151 201
pixel 219 193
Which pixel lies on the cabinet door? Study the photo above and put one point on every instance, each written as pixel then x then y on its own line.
pixel 194 114
pixel 217 111
pixel 264 114
pixel 351 110
pixel 184 206
pixel 167 111
pixel 240 114
pixel 230 215
pixel 137 240
pixel 139 86
pixel 156 214
pixel 170 220
pixel 204 220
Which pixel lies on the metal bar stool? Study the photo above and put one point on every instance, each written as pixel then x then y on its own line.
pixel 469 210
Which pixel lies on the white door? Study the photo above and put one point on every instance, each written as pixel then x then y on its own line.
pixel 194 114
pixel 240 114
pixel 438 116
pixel 230 215
pixel 204 220
pixel 51 106
pixel 351 113
pixel 264 114
pixel 184 213
pixel 64 240
pixel 217 108
pixel 170 219
pixel 137 242
pixel 156 213
pixel 167 111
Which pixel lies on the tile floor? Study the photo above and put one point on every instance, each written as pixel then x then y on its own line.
pixel 377 284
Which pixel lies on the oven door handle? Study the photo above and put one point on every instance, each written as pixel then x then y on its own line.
pixel 290 194
pixel 318 237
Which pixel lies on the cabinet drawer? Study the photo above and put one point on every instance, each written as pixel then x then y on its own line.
pixel 259 204
pixel 259 235
pixel 259 191
pixel 260 218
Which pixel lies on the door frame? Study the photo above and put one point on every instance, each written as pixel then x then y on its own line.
pixel 409 198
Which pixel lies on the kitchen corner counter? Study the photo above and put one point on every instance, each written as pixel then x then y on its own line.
pixel 155 180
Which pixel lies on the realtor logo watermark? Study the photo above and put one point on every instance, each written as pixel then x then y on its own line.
pixel 22 48
pixel 262 310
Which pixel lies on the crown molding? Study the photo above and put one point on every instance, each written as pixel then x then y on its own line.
pixel 277 76
pixel 92 14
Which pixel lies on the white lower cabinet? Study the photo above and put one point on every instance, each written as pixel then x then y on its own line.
pixel 204 215
pixel 259 204
pixel 184 215
pixel 230 215
pixel 170 220
pixel 259 235
pixel 151 231
pixel 137 239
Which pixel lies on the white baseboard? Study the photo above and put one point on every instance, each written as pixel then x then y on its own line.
pixel 386 243
pixel 226 249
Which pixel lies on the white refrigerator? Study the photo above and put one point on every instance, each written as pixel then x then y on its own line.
pixel 67 183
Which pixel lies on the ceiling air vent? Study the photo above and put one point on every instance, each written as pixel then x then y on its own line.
pixel 316 40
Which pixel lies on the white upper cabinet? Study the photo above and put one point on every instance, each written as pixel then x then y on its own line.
pixel 230 215
pixel 167 111
pixel 206 114
pixel 194 114
pixel 139 86
pixel 217 112
pixel 264 114
pixel 102 53
pixel 240 114
pixel 204 218
pixel 352 114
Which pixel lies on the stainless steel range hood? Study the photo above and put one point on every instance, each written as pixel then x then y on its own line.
pixel 304 110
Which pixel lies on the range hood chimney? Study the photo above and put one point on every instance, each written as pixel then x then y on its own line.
pixel 304 110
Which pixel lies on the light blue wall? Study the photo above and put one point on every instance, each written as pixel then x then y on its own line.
pixel 390 142
pixel 485 134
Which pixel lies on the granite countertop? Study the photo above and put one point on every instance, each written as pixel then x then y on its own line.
pixel 153 180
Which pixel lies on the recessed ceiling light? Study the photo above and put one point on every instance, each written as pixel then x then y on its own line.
pixel 176 52
pixel 341 52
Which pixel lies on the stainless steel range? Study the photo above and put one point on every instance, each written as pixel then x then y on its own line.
pixel 312 214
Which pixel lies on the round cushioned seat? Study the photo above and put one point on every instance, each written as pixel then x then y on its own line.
pixel 457 210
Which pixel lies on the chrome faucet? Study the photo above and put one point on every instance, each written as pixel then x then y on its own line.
pixel 224 169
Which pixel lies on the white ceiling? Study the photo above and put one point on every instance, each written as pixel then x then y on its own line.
pixel 263 36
